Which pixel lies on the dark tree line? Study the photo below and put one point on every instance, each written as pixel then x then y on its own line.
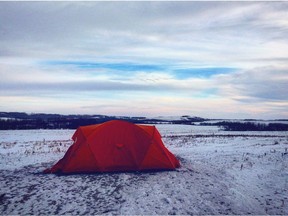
pixel 45 124
pixel 249 126
pixel 24 121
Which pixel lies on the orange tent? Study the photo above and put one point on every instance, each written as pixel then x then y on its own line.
pixel 116 146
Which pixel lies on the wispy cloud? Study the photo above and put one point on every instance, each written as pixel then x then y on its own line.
pixel 259 84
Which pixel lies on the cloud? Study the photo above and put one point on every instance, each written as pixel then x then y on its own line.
pixel 71 79
pixel 79 86
pixel 185 56
pixel 151 30
pixel 256 85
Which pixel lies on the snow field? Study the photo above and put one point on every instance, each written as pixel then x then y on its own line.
pixel 221 173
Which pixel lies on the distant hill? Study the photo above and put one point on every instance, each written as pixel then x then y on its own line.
pixel 21 120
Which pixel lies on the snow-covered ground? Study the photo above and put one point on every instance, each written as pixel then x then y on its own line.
pixel 221 173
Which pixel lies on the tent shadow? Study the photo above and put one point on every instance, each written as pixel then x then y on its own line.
pixel 143 172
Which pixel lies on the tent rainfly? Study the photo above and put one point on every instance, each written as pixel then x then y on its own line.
pixel 115 146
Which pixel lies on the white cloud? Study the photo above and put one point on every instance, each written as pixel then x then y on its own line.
pixel 248 36
pixel 258 84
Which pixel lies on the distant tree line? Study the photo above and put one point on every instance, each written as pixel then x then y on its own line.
pixel 248 126
pixel 24 121
pixel 25 124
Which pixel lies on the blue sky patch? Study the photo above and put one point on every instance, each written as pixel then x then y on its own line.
pixel 205 72
pixel 127 67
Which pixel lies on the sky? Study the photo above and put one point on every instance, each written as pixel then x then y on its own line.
pixel 152 58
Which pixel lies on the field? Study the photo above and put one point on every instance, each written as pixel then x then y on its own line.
pixel 221 173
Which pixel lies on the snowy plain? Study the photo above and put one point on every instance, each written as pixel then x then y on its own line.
pixel 221 173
